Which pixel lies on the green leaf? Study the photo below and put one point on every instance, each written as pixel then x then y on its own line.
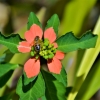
pixel 8 55
pixel 68 90
pixel 2 49
pixel 43 98
pixel 5 78
pixel 27 80
pixel 11 42
pixel 2 58
pixel 32 20
pixel 4 68
pixel 55 90
pixel 33 90
pixel 62 77
pixel 5 97
pixel 53 22
pixel 69 42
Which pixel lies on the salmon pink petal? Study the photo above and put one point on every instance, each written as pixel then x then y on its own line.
pixel 54 65
pixel 34 31
pixel 24 47
pixel 50 34
pixel 29 36
pixel 32 67
pixel 59 54
pixel 55 44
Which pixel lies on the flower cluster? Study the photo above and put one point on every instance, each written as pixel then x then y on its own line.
pixel 44 45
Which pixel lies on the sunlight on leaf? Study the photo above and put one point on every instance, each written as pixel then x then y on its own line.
pixel 91 83
pixel 86 63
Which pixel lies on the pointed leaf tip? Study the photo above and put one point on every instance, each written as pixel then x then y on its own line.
pixel 32 19
pixel 53 22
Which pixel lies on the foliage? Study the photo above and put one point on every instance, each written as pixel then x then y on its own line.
pixel 47 85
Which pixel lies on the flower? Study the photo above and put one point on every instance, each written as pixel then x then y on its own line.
pixel 48 50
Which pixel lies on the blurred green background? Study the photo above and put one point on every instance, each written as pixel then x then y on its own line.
pixel 75 15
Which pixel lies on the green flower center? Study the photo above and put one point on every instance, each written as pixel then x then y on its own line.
pixel 44 49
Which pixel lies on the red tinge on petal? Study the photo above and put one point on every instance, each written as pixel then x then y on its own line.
pixel 50 34
pixel 24 47
pixel 59 54
pixel 34 31
pixel 54 66
pixel 32 67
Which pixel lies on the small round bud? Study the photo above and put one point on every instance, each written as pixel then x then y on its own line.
pixel 41 53
pixel 54 51
pixel 32 53
pixel 51 56
pixel 45 52
pixel 50 46
pixel 44 47
pixel 46 57
pixel 49 51
pixel 46 42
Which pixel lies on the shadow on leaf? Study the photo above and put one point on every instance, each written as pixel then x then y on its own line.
pixel 27 87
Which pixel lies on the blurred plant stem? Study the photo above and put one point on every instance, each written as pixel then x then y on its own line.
pixel 86 63
pixel 91 83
